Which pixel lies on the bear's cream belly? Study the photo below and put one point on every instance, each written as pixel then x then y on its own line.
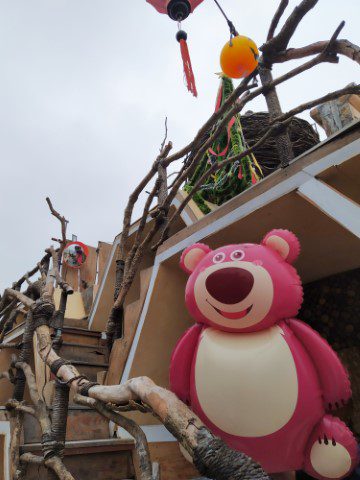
pixel 246 383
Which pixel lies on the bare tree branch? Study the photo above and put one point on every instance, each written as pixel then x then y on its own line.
pixel 63 285
pixel 63 223
pixel 271 130
pixel 282 39
pixel 341 47
pixel 275 21
pixel 165 136
pixel 16 421
pixel 14 404
pixel 349 90
pixel 135 195
pixel 52 460
pixel 28 302
pixel 141 444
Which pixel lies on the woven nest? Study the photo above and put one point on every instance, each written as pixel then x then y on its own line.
pixel 302 135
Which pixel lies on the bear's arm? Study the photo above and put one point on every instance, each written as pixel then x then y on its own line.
pixel 181 362
pixel 332 374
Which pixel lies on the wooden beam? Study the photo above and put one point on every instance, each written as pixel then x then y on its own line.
pixel 344 211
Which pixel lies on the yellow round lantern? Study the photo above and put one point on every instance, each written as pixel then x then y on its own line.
pixel 239 57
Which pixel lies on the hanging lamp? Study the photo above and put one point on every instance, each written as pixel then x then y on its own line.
pixel 179 10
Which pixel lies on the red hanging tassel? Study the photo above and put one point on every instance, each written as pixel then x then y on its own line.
pixel 181 37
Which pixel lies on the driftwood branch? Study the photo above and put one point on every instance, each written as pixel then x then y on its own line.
pixel 135 195
pixel 63 223
pixel 28 302
pixel 51 459
pixel 349 90
pixel 282 39
pixel 165 136
pixel 16 421
pixel 61 283
pixel 20 406
pixel 340 47
pixel 141 445
pixel 176 416
pixel 276 19
pixel 30 273
pixel 220 462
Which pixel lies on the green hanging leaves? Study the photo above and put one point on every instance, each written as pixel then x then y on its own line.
pixel 231 179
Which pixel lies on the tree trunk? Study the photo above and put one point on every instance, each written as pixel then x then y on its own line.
pixel 283 143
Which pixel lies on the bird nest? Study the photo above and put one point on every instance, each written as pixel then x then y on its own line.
pixel 302 135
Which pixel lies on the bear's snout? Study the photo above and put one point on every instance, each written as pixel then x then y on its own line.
pixel 230 285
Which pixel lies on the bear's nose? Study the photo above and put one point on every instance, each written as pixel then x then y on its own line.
pixel 229 285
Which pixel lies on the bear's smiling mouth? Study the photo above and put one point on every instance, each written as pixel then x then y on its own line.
pixel 231 315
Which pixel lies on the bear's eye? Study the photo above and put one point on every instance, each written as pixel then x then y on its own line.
pixel 219 257
pixel 237 255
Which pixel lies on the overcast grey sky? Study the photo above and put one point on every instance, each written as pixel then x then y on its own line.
pixel 85 86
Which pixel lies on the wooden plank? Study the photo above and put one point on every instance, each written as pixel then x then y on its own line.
pixel 104 250
pixel 173 464
pixel 88 269
pixel 71 276
pixel 6 388
pixel 97 463
pixel 122 346
pixel 104 302
pixel 332 203
pixel 345 178
pixel 84 337
pixel 74 305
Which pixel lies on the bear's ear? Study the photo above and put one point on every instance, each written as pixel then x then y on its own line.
pixel 283 242
pixel 192 255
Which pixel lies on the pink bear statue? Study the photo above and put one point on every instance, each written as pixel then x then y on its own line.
pixel 260 379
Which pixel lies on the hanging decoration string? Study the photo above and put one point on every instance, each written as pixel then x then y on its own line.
pixel 181 37
pixel 233 31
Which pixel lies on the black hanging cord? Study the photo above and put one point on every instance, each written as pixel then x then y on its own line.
pixel 229 22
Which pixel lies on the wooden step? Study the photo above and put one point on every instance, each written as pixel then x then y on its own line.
pixel 83 352
pixel 83 348
pixel 81 335
pixel 76 322
pixel 83 423
pixel 99 459
pixel 121 347
pixel 90 369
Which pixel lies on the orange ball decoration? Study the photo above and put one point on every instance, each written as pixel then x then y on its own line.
pixel 239 57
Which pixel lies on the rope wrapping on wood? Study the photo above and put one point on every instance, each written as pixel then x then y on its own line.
pixel 24 356
pixel 42 313
pixel 57 364
pixel 84 391
pixel 60 413
pixel 209 459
